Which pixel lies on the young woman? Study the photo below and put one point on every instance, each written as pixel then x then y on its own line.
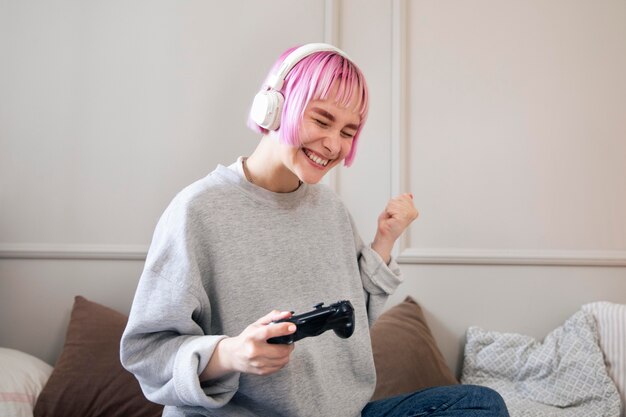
pixel 259 236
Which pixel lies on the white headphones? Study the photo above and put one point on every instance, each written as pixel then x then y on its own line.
pixel 267 106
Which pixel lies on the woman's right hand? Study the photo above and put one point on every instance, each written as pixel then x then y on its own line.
pixel 249 352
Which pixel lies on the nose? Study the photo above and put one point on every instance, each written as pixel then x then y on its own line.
pixel 332 144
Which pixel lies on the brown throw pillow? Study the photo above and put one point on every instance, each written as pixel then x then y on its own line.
pixel 88 378
pixel 406 355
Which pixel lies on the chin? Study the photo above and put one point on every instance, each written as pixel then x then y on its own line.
pixel 311 181
pixel 309 178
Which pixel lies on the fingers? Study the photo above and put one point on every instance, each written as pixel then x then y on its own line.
pixel 268 366
pixel 393 221
pixel 266 327
pixel 402 205
pixel 276 330
pixel 406 198
pixel 274 315
pixel 252 352
pixel 262 358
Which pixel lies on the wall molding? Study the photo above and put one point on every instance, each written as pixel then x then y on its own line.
pixel 399 103
pixel 512 257
pixel 73 251
pixel 428 256
pixel 331 22
pixel 332 17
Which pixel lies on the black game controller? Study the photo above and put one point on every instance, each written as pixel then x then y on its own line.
pixel 338 317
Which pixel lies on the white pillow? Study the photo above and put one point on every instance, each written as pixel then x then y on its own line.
pixel 22 378
pixel 611 321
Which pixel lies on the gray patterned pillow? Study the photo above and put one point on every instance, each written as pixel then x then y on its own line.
pixel 564 375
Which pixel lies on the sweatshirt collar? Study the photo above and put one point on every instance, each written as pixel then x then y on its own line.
pixel 234 174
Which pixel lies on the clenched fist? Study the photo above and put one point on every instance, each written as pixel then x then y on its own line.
pixel 392 222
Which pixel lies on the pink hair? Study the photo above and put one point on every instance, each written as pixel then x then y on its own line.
pixel 311 79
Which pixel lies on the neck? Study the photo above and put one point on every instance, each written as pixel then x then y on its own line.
pixel 265 169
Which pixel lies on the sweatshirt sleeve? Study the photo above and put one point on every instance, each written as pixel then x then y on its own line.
pixel 165 343
pixel 379 279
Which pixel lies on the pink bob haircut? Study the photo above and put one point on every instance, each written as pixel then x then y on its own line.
pixel 311 79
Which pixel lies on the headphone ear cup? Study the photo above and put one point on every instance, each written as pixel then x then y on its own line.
pixel 267 108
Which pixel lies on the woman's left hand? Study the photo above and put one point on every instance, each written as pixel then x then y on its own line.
pixel 392 222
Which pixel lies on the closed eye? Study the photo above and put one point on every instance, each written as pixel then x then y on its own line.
pixel 321 122
pixel 347 135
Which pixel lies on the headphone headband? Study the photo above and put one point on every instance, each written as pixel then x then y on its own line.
pixel 276 81
pixel 268 103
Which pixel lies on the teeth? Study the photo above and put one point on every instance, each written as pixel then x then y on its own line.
pixel 315 158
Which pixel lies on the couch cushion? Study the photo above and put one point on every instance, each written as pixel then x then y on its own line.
pixel 406 354
pixel 88 378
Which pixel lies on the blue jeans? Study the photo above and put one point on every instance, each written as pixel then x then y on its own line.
pixel 448 401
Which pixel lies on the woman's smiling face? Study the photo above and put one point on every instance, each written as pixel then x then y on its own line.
pixel 326 132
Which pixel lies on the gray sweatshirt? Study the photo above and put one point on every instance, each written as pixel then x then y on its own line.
pixel 225 253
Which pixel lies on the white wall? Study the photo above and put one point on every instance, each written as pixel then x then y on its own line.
pixel 505 119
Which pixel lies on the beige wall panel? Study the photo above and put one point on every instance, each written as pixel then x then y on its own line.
pixel 516 124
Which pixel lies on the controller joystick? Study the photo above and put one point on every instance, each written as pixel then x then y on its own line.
pixel 338 316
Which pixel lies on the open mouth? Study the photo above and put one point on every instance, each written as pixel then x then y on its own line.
pixel 313 157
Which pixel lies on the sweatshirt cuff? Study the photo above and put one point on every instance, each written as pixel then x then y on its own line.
pixel 191 359
pixel 379 276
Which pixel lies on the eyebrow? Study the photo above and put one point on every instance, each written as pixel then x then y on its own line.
pixel 332 118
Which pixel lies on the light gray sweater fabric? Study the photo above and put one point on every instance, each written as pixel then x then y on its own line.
pixel 225 253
